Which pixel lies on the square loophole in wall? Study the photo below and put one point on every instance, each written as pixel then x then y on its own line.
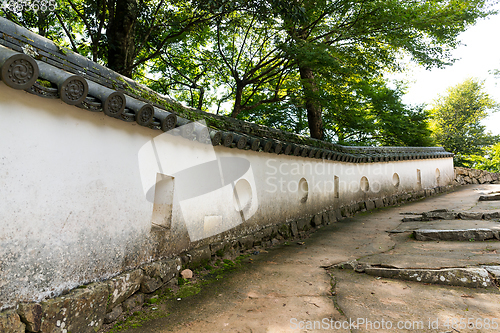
pixel 419 179
pixel 163 201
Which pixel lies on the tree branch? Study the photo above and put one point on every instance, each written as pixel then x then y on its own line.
pixel 73 45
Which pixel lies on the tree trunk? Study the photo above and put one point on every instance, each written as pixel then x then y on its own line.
pixel 42 23
pixel 314 110
pixel 200 99
pixel 121 36
pixel 237 100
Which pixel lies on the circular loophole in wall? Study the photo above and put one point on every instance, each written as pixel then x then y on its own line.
pixel 364 184
pixel 242 195
pixel 303 190
pixel 395 180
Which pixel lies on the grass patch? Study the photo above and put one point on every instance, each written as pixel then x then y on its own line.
pixel 137 319
pixel 187 288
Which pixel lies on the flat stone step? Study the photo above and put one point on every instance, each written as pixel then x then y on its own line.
pixel 442 215
pixel 471 277
pixel 463 277
pixel 447 225
pixel 494 271
pixel 491 197
pixel 477 234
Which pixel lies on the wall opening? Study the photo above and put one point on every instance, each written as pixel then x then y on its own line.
pixel 242 195
pixel 364 184
pixel 163 201
pixel 395 180
pixel 336 184
pixel 438 176
pixel 419 179
pixel 303 190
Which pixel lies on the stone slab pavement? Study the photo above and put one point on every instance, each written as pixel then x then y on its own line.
pixel 297 288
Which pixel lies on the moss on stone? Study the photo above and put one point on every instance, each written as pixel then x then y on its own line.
pixel 188 290
pixel 44 83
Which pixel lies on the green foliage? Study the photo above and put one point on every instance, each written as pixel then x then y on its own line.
pixel 375 115
pixel 456 120
pixel 488 160
pixel 188 290
pixel 248 58
pixel 363 111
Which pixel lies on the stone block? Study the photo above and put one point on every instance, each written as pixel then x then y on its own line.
pixel 259 236
pixel 351 265
pixel 411 219
pixel 326 218
pixel 348 211
pixel 437 215
pixel 294 229
pixel 268 233
pixel 200 256
pixel 379 203
pixel 10 322
pixel 123 286
pixel 487 178
pixel 470 216
pixel 474 173
pixel 344 212
pixel 246 242
pixel 492 216
pixel 464 277
pixel 158 273
pixel 317 220
pixel 491 197
pixel 339 214
pixel 494 271
pixel 219 248
pixel 113 315
pixel 31 315
pixel 369 204
pixel 399 198
pixel 81 311
pixel 134 301
pixel 359 207
pixel 284 230
pixel 235 246
pixel 478 234
pixel 332 216
pixel 303 224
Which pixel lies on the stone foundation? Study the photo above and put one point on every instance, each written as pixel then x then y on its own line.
pixel 86 308
pixel 464 176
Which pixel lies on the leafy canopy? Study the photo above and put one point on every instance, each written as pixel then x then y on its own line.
pixel 456 119
pixel 283 63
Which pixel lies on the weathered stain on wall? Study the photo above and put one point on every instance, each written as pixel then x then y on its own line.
pixel 74 209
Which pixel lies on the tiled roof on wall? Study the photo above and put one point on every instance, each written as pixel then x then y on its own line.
pixel 35 64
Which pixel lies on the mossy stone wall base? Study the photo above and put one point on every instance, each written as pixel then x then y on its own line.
pixel 11 322
pixel 87 308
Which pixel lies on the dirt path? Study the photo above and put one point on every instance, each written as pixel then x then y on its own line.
pixel 294 288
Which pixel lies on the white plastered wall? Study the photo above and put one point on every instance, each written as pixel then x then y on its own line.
pixel 73 204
